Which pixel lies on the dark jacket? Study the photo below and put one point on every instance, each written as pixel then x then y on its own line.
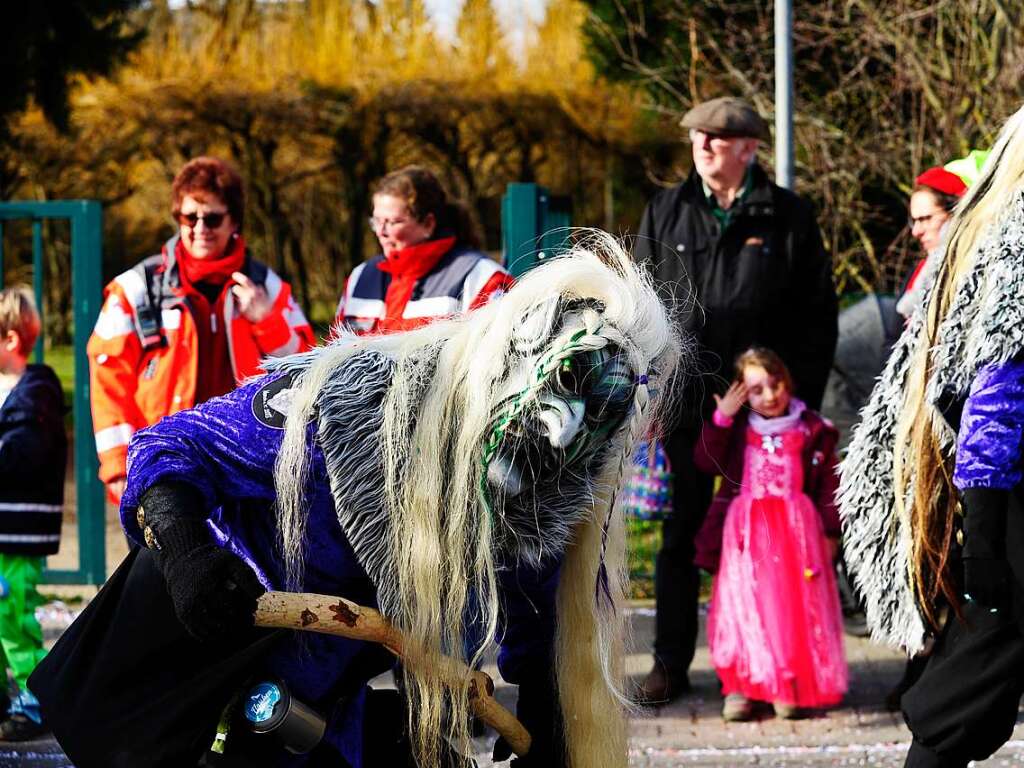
pixel 765 280
pixel 33 456
pixel 720 451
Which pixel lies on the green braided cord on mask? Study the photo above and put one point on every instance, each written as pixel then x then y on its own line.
pixel 583 340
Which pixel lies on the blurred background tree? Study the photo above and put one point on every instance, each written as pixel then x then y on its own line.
pixel 48 42
pixel 314 100
pixel 884 89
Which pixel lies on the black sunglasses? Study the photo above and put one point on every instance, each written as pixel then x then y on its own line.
pixel 210 220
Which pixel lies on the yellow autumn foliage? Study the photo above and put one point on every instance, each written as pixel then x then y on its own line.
pixel 314 100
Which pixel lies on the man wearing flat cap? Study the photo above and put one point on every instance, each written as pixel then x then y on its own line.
pixel 743 261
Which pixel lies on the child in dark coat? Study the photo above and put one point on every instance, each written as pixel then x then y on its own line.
pixel 33 450
pixel 775 629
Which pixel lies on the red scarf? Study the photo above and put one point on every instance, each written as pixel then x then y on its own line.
pixel 214 375
pixel 406 266
pixel 214 271
pixel 414 261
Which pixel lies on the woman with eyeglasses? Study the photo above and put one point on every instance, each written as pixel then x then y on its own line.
pixel 936 193
pixel 430 265
pixel 189 323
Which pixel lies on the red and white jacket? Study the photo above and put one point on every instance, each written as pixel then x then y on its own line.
pixel 144 353
pixel 417 285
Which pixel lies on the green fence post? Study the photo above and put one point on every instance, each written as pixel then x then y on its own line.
pixel 520 224
pixel 556 223
pixel 86 218
pixel 534 225
pixel 86 294
pixel 37 282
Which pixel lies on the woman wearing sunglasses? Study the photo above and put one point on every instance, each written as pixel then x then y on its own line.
pixel 189 323
pixel 430 265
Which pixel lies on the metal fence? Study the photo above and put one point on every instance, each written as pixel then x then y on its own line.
pixel 86 221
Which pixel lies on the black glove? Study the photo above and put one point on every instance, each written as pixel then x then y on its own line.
pixel 539 710
pixel 987 577
pixel 214 592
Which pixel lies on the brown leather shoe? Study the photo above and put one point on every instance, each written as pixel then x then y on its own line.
pixel 788 711
pixel 660 686
pixel 737 708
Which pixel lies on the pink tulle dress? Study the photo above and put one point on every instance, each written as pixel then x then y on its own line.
pixel 775 628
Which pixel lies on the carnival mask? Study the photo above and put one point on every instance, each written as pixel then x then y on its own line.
pixel 569 390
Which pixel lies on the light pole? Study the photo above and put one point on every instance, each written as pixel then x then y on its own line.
pixel 784 93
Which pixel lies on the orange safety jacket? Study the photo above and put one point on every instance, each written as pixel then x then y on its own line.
pixel 143 352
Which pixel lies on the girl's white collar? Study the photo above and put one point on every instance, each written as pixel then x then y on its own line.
pixel 779 424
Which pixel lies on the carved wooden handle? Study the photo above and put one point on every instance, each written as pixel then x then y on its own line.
pixel 337 616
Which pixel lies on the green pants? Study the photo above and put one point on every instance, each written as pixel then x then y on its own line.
pixel 21 639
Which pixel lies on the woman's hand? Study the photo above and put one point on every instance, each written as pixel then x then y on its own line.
pixel 735 397
pixel 253 301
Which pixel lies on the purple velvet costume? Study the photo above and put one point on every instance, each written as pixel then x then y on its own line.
pixel 988 452
pixel 222 450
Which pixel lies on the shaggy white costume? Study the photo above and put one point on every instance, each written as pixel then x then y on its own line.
pixel 984 324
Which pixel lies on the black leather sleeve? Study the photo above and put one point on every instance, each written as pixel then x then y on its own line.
pixel 986 571
pixel 985 522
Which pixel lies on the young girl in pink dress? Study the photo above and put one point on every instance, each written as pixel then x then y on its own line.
pixel 775 629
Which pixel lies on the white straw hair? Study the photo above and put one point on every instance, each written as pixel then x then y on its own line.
pixel 429 405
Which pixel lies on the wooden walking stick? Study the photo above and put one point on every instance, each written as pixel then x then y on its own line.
pixel 338 616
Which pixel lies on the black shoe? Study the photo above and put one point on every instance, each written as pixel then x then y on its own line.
pixel 661 686
pixel 20 728
pixel 856 624
pixel 911 674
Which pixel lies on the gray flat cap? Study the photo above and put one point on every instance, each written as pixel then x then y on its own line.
pixel 726 116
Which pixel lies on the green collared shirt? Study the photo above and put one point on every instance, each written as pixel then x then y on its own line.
pixel 724 216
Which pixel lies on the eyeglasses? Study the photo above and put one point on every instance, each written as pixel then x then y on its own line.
pixel 378 225
pixel 211 220
pixel 915 220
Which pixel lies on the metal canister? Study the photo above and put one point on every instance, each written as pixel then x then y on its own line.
pixel 270 708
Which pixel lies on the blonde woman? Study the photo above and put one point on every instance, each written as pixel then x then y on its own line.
pixel 931 487
pixel 461 477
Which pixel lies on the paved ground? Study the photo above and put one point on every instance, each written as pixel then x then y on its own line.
pixel 689 732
